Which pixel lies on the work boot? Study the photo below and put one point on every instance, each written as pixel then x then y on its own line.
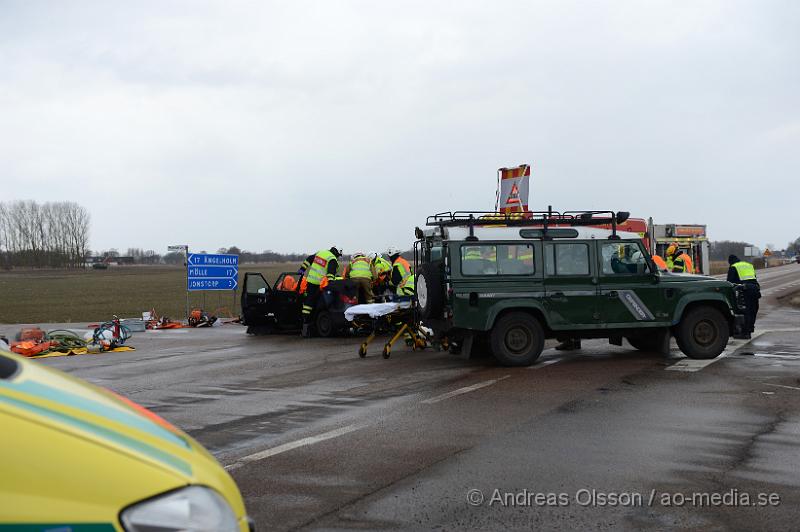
pixel 305 332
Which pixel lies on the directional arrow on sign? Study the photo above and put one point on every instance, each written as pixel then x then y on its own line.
pixel 203 259
pixel 206 283
pixel 212 271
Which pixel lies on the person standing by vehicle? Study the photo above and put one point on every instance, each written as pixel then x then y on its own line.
pixel 743 273
pixel 402 277
pixel 360 272
pixel 678 261
pixel 322 265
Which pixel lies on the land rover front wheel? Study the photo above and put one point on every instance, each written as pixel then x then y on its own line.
pixel 702 333
pixel 428 286
pixel 517 339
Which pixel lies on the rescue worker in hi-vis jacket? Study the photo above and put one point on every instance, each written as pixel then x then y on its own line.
pixel 744 274
pixel 322 265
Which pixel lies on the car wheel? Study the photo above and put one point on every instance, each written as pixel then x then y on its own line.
pixel 517 339
pixel 428 286
pixel 702 333
pixel 323 323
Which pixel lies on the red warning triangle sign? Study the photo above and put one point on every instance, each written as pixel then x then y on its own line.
pixel 513 196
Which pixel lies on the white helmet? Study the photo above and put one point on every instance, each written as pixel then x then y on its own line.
pixel 392 250
pixel 358 254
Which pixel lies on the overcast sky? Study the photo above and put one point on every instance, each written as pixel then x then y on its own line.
pixel 292 126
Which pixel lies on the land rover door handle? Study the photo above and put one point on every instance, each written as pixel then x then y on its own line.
pixel 558 296
pixel 613 294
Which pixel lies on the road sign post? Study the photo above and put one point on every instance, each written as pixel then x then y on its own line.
pixel 182 248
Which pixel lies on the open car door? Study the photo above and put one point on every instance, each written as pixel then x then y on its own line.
pixel 256 298
pixel 287 301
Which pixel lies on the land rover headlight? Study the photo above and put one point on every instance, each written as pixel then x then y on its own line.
pixel 193 509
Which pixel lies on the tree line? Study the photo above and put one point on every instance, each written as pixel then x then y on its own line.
pixel 43 235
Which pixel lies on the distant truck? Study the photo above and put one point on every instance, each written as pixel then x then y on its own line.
pixel 267 309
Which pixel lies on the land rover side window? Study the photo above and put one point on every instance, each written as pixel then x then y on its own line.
pixel 623 258
pixel 497 259
pixel 566 259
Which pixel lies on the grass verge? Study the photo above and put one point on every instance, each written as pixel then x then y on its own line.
pixel 93 295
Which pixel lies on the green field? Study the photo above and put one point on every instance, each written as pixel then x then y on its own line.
pixel 94 295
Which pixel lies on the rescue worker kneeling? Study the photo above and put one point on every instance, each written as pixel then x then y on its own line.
pixel 317 268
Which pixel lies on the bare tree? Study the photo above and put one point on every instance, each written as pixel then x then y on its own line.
pixel 51 234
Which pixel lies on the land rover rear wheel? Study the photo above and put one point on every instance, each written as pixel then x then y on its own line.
pixel 702 333
pixel 517 339
pixel 428 287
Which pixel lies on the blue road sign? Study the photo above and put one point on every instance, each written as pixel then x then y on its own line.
pixel 212 272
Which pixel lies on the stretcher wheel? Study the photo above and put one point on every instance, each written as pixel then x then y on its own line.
pixel 362 351
pixel 387 351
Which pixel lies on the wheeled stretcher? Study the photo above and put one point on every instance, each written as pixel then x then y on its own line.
pixel 395 317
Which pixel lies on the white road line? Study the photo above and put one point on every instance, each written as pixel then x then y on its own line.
pixel 775 355
pixel 781 386
pixel 544 363
pixel 293 445
pixel 464 390
pixel 690 364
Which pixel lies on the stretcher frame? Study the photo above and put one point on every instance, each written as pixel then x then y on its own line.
pixel 405 321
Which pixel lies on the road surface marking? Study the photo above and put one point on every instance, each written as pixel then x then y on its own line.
pixel 464 390
pixel 690 364
pixel 781 386
pixel 544 363
pixel 775 355
pixel 293 445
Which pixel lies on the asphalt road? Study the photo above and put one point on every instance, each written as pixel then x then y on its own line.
pixel 604 438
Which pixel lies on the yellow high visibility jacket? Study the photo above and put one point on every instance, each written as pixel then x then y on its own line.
pixel 745 270
pixel 318 269
pixel 360 268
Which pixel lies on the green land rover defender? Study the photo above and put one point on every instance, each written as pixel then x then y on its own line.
pixel 514 280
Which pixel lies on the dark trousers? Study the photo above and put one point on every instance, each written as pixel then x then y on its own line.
pixel 365 294
pixel 310 301
pixel 752 293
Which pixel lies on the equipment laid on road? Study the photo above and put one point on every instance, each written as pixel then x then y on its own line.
pixel 200 318
pixel 106 337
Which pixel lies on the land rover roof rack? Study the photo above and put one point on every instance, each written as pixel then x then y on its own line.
pixel 528 219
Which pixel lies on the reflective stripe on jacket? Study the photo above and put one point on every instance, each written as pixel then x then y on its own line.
pixel 319 266
pixel 360 268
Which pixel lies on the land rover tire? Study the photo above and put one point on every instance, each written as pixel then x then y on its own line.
pixel 517 339
pixel 428 286
pixel 702 333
